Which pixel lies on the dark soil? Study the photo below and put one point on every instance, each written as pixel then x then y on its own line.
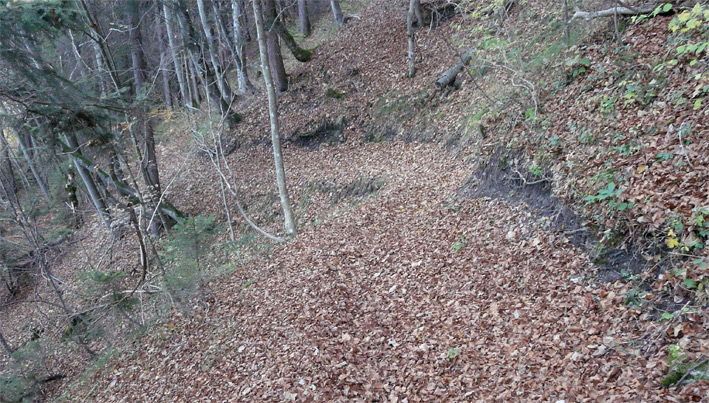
pixel 327 132
pixel 498 179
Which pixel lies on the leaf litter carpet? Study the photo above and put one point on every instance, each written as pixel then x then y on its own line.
pixel 411 295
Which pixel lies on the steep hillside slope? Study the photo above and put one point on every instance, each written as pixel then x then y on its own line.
pixel 417 293
pixel 455 246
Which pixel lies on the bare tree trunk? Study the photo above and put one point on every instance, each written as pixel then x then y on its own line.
pixel 33 168
pixel 149 162
pixel 191 75
pixel 303 18
pixel 8 174
pixel 273 114
pixel 567 34
pixel 275 58
pixel 243 80
pixel 89 183
pixel 337 12
pixel 242 74
pixel 175 60
pixel 204 72
pixel 417 13
pixel 300 54
pixel 167 93
pixel 222 85
pixel 411 34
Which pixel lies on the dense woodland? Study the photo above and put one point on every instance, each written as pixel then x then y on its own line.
pixel 382 200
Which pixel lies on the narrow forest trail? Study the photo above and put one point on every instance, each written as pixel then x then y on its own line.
pixel 411 294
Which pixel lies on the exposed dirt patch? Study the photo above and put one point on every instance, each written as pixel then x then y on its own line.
pixel 503 178
pixel 328 132
pixel 359 188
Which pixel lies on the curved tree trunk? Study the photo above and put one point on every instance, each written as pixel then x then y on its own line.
pixel 273 115
pixel 300 54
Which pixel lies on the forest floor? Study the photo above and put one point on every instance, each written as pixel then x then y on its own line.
pixel 419 273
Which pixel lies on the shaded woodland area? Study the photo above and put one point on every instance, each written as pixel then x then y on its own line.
pixel 345 199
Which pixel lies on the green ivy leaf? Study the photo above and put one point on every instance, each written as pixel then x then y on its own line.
pixel 667 7
pixel 689 283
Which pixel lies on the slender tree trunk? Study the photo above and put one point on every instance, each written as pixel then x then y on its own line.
pixel 193 86
pixel 567 34
pixel 149 161
pixel 411 34
pixel 7 174
pixel 243 80
pixel 222 85
pixel 337 12
pixel 204 72
pixel 89 183
pixel 136 52
pixel 175 59
pixel 303 18
pixel 237 15
pixel 33 168
pixel 275 58
pixel 273 115
pixel 167 93
pixel 100 69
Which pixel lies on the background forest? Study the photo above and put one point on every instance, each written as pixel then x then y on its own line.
pixel 386 200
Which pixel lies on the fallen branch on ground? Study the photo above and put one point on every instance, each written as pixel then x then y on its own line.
pixel 449 76
pixel 586 15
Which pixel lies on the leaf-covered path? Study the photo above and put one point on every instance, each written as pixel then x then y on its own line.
pixel 410 295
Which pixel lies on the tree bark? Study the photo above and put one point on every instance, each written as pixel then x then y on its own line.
pixel 417 13
pixel 136 52
pixel 149 162
pixel 80 161
pixel 275 58
pixel 237 14
pixel 89 183
pixel 641 9
pixel 303 18
pixel 206 75
pixel 8 174
pixel 273 115
pixel 167 93
pixel 222 85
pixel 411 34
pixel 175 59
pixel 33 168
pixel 243 80
pixel 337 12
pixel 449 76
pixel 300 54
